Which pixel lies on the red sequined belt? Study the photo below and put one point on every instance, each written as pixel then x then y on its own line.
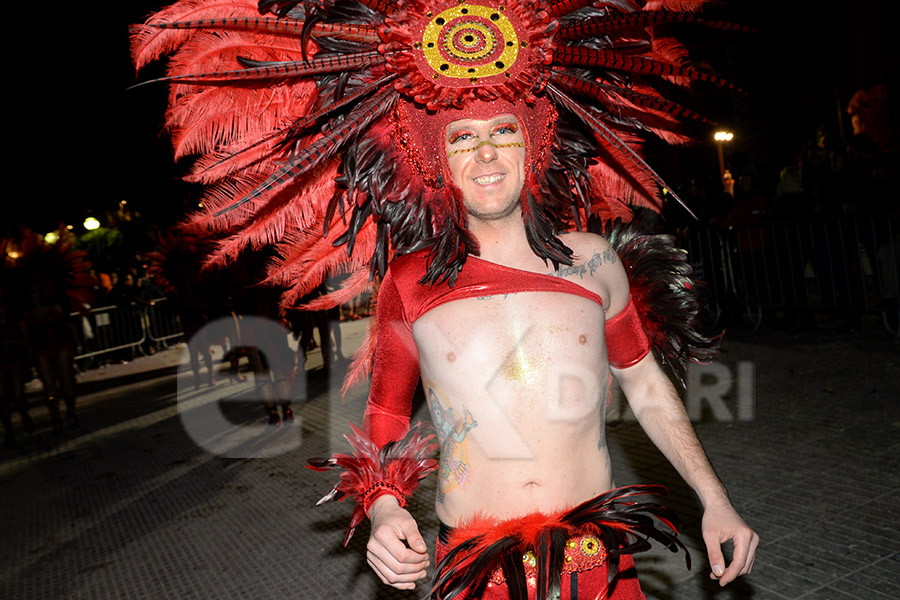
pixel 582 553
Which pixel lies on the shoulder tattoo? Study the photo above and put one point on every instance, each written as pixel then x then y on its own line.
pixel 589 267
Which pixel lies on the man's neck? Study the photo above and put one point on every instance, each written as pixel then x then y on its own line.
pixel 502 241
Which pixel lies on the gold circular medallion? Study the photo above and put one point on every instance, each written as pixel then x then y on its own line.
pixel 590 545
pixel 470 41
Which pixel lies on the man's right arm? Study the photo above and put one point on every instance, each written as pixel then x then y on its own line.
pixel 395 372
pixel 395 551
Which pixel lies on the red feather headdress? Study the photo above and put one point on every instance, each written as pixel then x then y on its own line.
pixel 299 115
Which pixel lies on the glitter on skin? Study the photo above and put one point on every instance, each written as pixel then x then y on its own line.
pixel 518 367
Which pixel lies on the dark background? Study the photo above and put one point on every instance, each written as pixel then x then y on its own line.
pixel 87 142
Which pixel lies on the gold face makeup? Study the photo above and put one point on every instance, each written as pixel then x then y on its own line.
pixel 469 141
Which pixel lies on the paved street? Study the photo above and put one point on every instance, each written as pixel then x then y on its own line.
pixel 142 502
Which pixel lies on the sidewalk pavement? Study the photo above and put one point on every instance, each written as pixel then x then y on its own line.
pixel 142 502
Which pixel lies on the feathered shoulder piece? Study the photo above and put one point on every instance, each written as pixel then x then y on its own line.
pixel 369 473
pixel 667 299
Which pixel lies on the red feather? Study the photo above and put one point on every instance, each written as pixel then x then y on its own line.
pixel 279 69
pixel 361 366
pixel 382 6
pixel 315 257
pixel 150 43
pixel 344 31
pixel 621 151
pixel 479 547
pixel 402 464
pixel 685 5
pixel 358 283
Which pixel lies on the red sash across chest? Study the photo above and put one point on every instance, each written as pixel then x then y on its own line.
pixel 477 279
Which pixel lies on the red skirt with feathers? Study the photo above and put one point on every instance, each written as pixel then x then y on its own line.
pixel 576 554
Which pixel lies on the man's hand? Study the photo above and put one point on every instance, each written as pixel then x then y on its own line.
pixel 387 554
pixel 720 524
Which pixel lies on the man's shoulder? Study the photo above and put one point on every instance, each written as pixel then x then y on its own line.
pixel 406 271
pixel 586 246
pixel 596 266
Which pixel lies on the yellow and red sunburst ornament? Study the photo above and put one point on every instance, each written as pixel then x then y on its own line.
pixel 447 53
pixel 471 42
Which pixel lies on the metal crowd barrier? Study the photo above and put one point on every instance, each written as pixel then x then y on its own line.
pixel 129 330
pixel 163 321
pixel 836 265
pixel 709 257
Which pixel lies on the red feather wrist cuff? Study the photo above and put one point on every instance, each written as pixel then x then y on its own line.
pixel 371 472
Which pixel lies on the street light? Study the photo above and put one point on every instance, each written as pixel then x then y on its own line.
pixel 721 138
pixel 91 224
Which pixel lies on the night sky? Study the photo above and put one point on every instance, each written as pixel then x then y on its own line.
pixel 95 142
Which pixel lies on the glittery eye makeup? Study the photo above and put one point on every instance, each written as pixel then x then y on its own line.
pixel 458 134
pixel 466 140
pixel 509 127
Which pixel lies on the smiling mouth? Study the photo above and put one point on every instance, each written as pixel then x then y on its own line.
pixel 488 179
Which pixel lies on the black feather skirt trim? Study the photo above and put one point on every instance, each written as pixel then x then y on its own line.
pixel 483 548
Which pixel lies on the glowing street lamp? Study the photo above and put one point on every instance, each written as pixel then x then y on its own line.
pixel 91 224
pixel 722 137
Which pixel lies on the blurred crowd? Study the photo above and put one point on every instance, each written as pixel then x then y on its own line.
pixel 59 314
pixel 831 216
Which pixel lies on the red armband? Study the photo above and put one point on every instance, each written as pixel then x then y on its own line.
pixel 371 472
pixel 626 342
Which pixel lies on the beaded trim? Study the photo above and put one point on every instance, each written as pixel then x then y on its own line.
pixel 378 489
pixel 487 143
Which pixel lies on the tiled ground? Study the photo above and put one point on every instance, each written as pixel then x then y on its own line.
pixel 129 506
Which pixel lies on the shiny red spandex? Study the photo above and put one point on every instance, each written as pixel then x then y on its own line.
pixel 402 300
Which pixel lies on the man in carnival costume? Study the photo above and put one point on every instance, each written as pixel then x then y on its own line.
pixel 457 150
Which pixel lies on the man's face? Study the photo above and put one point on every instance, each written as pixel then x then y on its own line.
pixel 487 160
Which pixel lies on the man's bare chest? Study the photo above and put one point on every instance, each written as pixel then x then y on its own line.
pixel 521 366
pixel 510 340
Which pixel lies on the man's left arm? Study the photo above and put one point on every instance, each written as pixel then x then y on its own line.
pixel 661 413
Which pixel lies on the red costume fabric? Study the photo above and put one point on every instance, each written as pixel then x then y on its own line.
pixel 589 584
pixel 403 299
pixel 581 552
